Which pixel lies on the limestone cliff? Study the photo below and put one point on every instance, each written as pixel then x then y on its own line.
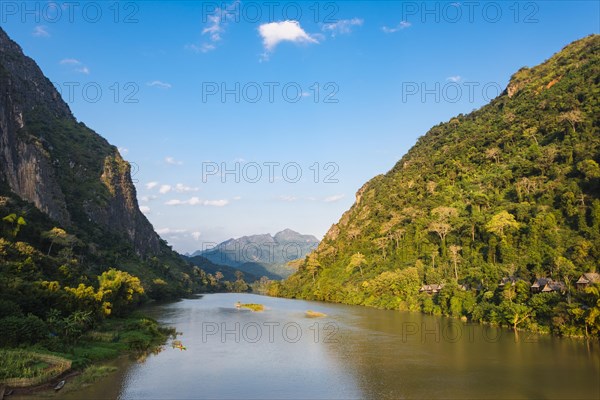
pixel 65 169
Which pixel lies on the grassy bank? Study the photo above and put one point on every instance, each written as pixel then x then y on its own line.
pixel 135 335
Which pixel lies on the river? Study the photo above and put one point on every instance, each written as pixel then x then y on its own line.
pixel 352 353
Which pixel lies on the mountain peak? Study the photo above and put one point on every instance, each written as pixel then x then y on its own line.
pixel 289 235
pixel 262 254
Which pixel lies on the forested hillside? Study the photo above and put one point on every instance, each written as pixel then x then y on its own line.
pixel 74 246
pixel 508 191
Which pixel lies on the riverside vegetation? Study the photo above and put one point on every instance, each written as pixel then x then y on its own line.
pixel 483 205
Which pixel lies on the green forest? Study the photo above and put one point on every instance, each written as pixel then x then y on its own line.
pixel 60 295
pixel 483 205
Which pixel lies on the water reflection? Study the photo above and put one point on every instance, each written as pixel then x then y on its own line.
pixel 407 355
pixel 353 352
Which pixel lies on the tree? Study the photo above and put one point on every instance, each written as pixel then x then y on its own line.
pixel 434 254
pixel 239 275
pixel 218 276
pixel 592 318
pixel 493 153
pixel 76 324
pixel 589 168
pixel 381 243
pixel 516 313
pixel 501 222
pixel 83 297
pixel 16 222
pixel 60 237
pixel 356 261
pixel 572 117
pixel 443 213
pixel 441 228
pixel 566 270
pixel 442 224
pixel 118 291
pixel 455 250
pixel 312 265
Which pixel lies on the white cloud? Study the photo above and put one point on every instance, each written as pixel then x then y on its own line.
pixel 456 78
pixel 274 33
pixel 215 27
pixel 203 48
pixel 288 198
pixel 70 61
pixel 169 231
pixel 40 31
pixel 164 189
pixel 73 62
pixel 195 201
pixel 170 160
pixel 196 235
pixel 151 185
pixel 400 26
pixel 181 188
pixel 174 202
pixel 215 203
pixel 160 84
pixel 146 199
pixel 145 209
pixel 123 150
pixel 341 27
pixel 334 198
pixel 237 198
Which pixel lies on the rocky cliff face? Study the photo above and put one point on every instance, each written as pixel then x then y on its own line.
pixel 65 169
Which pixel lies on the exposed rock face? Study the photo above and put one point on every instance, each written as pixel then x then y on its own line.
pixel 45 157
pixel 24 165
pixel 123 213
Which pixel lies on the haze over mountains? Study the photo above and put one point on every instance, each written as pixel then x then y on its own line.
pixel 262 255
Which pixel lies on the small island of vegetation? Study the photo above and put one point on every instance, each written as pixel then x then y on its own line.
pixel 315 314
pixel 251 306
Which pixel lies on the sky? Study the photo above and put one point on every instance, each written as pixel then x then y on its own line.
pixel 242 118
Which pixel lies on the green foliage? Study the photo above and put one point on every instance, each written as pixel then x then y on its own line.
pixel 512 189
pixel 118 291
pixel 17 330
pixel 20 364
pixel 16 222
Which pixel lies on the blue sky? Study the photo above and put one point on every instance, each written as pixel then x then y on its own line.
pixel 187 89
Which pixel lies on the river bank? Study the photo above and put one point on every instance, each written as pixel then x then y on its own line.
pixel 132 337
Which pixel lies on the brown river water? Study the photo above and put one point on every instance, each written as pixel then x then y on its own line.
pixel 352 353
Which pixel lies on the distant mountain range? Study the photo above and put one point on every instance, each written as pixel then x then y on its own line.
pixel 228 272
pixel 261 255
